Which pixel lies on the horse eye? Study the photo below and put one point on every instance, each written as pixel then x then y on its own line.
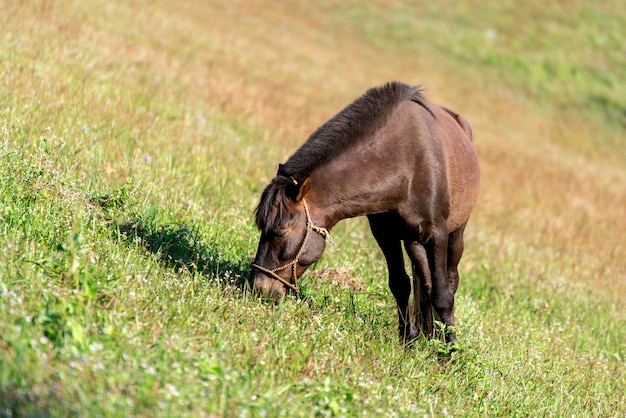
pixel 280 233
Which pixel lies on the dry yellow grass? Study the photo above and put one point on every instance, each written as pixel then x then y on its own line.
pixel 284 68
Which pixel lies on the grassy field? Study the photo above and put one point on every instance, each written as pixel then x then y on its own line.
pixel 136 137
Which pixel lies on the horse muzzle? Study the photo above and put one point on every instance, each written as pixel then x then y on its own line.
pixel 267 287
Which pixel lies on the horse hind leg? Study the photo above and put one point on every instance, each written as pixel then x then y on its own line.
pixel 445 290
pixel 442 295
pixel 399 282
pixel 422 286
pixel 436 290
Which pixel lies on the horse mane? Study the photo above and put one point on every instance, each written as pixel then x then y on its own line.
pixel 273 208
pixel 362 117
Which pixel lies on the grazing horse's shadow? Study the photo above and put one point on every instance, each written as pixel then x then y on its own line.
pixel 182 248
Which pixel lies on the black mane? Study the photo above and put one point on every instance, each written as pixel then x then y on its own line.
pixel 273 208
pixel 364 116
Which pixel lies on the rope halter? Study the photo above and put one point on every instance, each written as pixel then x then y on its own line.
pixel 294 263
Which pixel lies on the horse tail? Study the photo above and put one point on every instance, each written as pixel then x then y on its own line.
pixel 422 286
pixel 463 123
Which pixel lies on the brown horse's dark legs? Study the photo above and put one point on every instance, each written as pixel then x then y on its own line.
pixel 442 295
pixel 399 282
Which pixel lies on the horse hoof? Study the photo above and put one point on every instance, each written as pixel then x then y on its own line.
pixel 408 335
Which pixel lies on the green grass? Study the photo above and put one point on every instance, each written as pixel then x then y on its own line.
pixel 134 147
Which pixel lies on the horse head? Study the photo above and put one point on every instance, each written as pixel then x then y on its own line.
pixel 290 242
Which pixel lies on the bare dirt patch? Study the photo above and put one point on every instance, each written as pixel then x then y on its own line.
pixel 341 276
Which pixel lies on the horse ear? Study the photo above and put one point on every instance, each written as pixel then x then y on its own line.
pixel 303 189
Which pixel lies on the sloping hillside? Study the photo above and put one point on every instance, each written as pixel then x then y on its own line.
pixel 138 135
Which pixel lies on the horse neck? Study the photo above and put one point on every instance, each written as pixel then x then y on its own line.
pixel 372 176
pixel 345 188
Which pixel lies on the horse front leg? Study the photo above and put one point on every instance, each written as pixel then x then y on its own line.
pixel 399 282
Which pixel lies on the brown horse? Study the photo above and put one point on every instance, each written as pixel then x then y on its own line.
pixel 406 164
